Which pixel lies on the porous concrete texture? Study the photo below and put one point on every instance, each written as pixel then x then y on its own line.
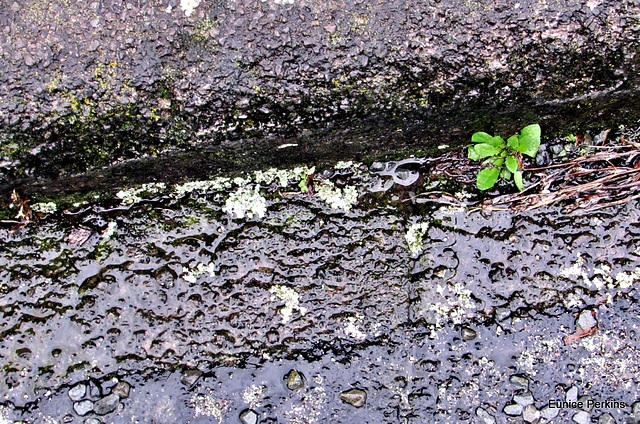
pixel 85 84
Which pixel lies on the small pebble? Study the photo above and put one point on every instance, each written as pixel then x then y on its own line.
pixel 586 321
pixel 549 413
pixel 530 414
pixel 513 409
pixel 502 314
pixel 572 394
pixel 468 334
pixel 581 417
pixel 354 397
pixel 606 418
pixel 92 421
pixel 248 416
pixel 107 404
pixel 121 389
pixel 94 391
pixel 83 407
pixel 189 377
pixel 77 392
pixel 486 417
pixel 295 380
pixel 524 399
pixel 520 380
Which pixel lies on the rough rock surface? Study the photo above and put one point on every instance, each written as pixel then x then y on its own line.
pixel 84 84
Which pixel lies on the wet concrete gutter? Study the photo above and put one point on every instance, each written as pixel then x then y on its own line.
pixel 84 85
pixel 194 303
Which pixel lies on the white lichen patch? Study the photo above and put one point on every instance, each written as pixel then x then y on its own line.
pixel 336 198
pixel 188 6
pixel 109 231
pixel 537 351
pixel 134 194
pixel 291 300
pixel 206 405
pixel 346 164
pixel 283 176
pixel 456 307
pixel 575 270
pixel 414 237
pixel 3 416
pixel 246 201
pixel 310 409
pixel 190 274
pixel 351 329
pixel 599 276
pixel 254 395
pixel 48 207
pixel 624 280
pixel 612 357
pixel 207 185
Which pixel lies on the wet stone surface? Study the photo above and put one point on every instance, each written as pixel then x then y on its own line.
pixel 180 283
pixel 89 84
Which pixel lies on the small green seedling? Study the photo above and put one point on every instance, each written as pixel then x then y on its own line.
pixel 503 158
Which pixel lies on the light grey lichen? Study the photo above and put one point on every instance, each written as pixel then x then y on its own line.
pixel 109 231
pixel 625 280
pixel 283 176
pixel 351 329
pixel 602 275
pixel 346 164
pixel 190 274
pixel 188 6
pixel 214 184
pixel 291 300
pixel 246 201
pixel 207 405
pixel 414 237
pixel 134 194
pixel 254 395
pixel 457 305
pixel 48 207
pixel 342 199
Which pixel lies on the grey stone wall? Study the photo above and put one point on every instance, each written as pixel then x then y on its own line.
pixel 85 84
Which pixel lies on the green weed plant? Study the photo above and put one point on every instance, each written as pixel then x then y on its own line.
pixel 503 158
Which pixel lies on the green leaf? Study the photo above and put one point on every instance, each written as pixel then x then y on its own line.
pixel 529 146
pixel 485 150
pixel 517 178
pixel 487 178
pixel 533 131
pixel 514 142
pixel 511 163
pixel 472 153
pixel 498 142
pixel 481 137
pixel 529 140
pixel 303 185
pixel 506 174
pixel 498 161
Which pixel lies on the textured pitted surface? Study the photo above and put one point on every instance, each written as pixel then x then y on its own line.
pixel 164 286
pixel 83 84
